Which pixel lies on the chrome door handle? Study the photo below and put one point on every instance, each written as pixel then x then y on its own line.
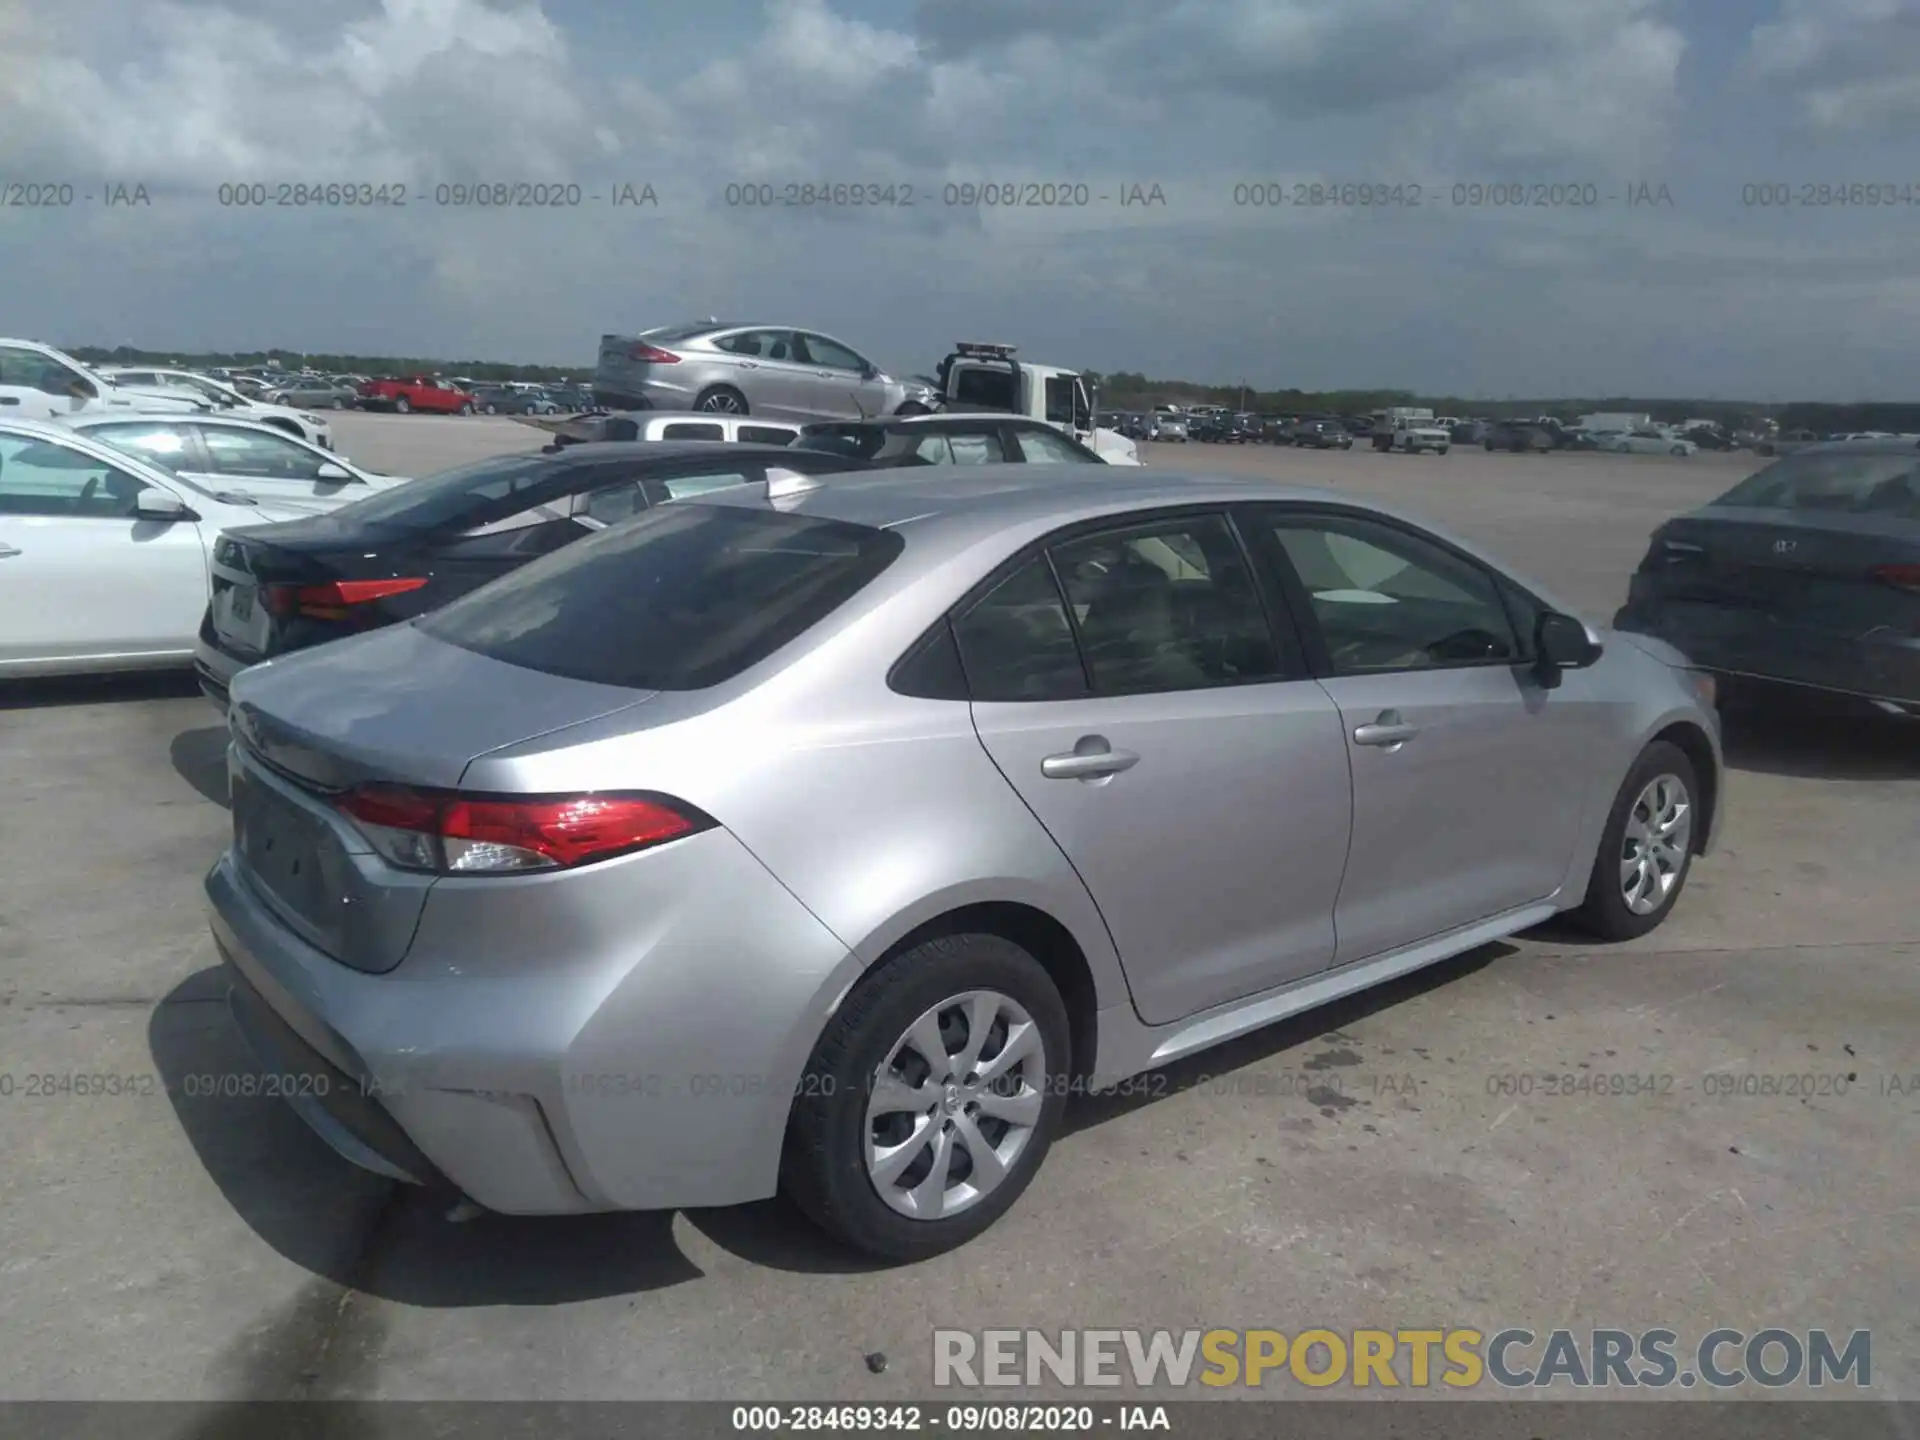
pixel 1389 731
pixel 1087 765
pixel 7 552
pixel 746 365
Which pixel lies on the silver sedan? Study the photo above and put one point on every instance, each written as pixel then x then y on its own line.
pixel 827 834
pixel 774 371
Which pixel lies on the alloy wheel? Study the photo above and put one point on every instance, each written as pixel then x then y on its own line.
pixel 722 403
pixel 954 1104
pixel 1656 843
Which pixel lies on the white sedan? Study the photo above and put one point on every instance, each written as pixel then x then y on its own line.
pixel 238 457
pixel 104 558
pixel 1646 442
pixel 224 398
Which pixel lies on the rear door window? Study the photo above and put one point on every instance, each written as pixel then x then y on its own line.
pixel 681 599
pixel 1016 642
pixel 693 430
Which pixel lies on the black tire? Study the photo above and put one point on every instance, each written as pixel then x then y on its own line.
pixel 490 408
pixel 823 1168
pixel 401 405
pixel 467 409
pixel 1605 912
pixel 721 400
pixel 338 403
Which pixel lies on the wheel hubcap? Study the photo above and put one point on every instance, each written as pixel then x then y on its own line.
pixel 724 404
pixel 1658 839
pixel 954 1105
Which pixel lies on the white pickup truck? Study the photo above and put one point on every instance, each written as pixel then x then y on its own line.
pixel 1411 431
pixel 979 376
pixel 38 382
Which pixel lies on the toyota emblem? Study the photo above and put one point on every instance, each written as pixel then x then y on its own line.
pixel 1784 547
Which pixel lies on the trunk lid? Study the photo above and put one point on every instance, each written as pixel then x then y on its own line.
pixel 399 706
pixel 1815 568
pixel 246 560
pixel 393 706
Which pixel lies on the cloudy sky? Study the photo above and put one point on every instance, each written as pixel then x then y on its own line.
pixel 1705 291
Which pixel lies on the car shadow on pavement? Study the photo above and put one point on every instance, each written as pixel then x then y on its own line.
pixel 1822 747
pixel 358 1230
pixel 394 1242
pixel 1251 1049
pixel 97 689
pixel 200 758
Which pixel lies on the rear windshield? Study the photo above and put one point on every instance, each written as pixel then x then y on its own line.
pixel 457 499
pixel 1883 483
pixel 667 334
pixel 683 598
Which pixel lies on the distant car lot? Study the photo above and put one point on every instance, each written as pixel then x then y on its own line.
pixel 1373 1161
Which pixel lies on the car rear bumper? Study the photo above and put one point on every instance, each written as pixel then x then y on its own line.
pixel 1879 668
pixel 626 1036
pixel 213 667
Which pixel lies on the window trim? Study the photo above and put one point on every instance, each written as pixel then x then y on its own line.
pixel 1307 622
pixel 1295 661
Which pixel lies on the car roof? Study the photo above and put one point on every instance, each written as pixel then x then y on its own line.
pixel 948 510
pixel 171 417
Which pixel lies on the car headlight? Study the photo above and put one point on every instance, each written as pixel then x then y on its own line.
pixel 312 419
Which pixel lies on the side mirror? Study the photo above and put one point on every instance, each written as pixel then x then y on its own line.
pixel 151 504
pixel 330 471
pixel 1561 642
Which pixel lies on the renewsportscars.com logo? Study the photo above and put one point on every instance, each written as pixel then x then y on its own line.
pixel 1416 1359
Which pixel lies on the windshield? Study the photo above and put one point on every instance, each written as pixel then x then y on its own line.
pixel 458 498
pixel 1883 483
pixel 680 599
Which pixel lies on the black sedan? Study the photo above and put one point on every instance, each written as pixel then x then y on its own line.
pixel 1518 438
pixel 410 549
pixel 1805 577
pixel 1321 435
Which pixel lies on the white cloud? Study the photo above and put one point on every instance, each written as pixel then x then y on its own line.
pixel 1853 66
pixel 1190 94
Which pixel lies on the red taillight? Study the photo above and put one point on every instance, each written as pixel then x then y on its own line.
pixel 330 601
pixel 652 354
pixel 1901 577
pixel 460 834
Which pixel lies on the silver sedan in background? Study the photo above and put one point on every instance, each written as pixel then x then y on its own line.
pixel 1079 771
pixel 750 369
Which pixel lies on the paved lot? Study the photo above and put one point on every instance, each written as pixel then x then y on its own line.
pixel 1359 1167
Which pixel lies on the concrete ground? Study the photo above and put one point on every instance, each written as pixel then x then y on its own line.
pixel 1367 1166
